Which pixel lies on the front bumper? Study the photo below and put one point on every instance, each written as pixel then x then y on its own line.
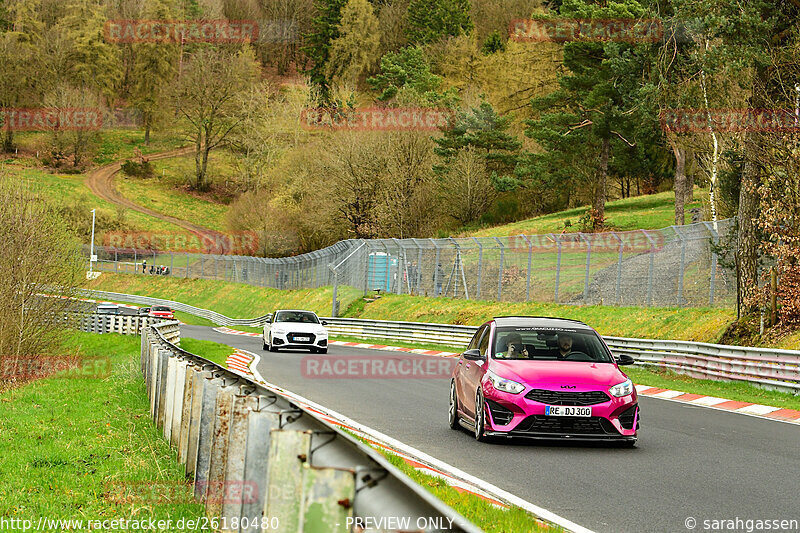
pixel 291 340
pixel 514 415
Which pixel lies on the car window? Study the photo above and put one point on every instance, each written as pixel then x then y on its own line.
pixel 554 344
pixel 476 339
pixel 305 317
pixel 483 346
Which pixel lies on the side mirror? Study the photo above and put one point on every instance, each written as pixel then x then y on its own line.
pixel 473 355
pixel 324 322
pixel 625 359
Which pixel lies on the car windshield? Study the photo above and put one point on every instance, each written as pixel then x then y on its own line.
pixel 161 309
pixel 549 344
pixel 306 317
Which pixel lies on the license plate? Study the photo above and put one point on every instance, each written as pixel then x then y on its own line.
pixel 561 410
pixel 302 339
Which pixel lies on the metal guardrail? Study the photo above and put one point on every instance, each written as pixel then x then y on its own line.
pixel 121 324
pixel 765 367
pixel 256 458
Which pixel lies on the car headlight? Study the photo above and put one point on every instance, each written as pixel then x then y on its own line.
pixel 505 385
pixel 622 389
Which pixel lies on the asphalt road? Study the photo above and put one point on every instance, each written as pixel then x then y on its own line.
pixel 690 461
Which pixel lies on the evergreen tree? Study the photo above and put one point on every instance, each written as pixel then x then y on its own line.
pixel 356 49
pixel 153 71
pixel 597 100
pixel 326 30
pixel 406 77
pixel 484 130
pixel 430 20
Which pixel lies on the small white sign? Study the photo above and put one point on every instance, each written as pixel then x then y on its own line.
pixel 94 257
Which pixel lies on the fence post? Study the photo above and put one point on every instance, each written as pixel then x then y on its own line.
pixel 116 260
pixel 500 270
pixel 335 290
pixel 530 264
pixel 436 269
pixel 588 264
pixel 558 265
pixel 171 262
pixel 619 269
pixel 401 264
pixel 650 270
pixel 187 265
pixel 480 268
pixel 715 237
pixel 682 268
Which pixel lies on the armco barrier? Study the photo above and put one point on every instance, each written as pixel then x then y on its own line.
pixel 765 367
pixel 259 460
pixel 122 324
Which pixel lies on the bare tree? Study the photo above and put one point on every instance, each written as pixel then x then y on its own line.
pixel 467 188
pixel 38 251
pixel 208 97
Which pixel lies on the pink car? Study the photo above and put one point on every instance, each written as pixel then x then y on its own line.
pixel 547 378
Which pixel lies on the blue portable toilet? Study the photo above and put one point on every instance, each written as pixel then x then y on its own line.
pixel 380 271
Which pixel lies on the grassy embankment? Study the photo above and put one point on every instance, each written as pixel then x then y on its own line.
pixel 68 445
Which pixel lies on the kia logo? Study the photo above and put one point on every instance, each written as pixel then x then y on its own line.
pixel 567 386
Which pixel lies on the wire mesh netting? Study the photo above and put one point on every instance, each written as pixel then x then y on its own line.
pixel 675 266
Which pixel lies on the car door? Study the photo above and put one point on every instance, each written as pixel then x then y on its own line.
pixel 268 326
pixel 473 373
pixel 461 368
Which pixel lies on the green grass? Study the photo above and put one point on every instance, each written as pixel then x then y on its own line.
pixel 213 351
pixel 640 212
pixel 235 300
pixel 474 508
pixel 117 144
pixel 167 192
pixel 66 442
pixel 70 189
pixel 696 324
pixel 731 390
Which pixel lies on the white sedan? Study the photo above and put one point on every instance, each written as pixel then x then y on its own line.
pixel 288 328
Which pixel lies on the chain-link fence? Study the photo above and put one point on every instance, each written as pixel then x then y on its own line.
pixel 675 266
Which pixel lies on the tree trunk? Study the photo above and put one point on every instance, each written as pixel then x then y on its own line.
pixel 680 180
pixel 8 142
pixel 147 131
pixel 198 169
pixel 689 187
pixel 600 187
pixel 747 238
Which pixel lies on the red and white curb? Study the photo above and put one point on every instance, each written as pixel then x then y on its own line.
pixel 746 408
pixel 458 479
pixel 229 331
pixel 712 402
pixel 240 361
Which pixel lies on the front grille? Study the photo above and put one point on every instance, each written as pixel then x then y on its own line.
pixel 626 418
pixel 594 425
pixel 500 415
pixel 291 338
pixel 552 397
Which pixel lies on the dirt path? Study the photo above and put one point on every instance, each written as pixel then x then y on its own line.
pixel 101 182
